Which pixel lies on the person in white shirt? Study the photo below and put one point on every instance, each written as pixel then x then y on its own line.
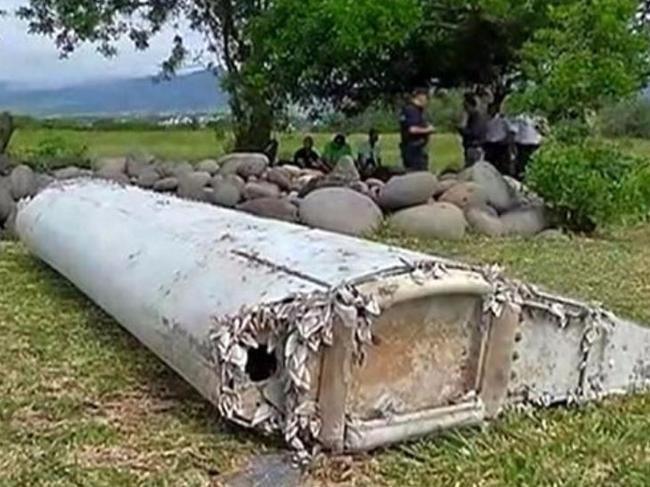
pixel 369 155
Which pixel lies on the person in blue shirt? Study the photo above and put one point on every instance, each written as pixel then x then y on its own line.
pixel 415 132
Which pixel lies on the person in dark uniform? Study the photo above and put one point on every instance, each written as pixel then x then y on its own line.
pixel 473 128
pixel 415 132
pixel 306 157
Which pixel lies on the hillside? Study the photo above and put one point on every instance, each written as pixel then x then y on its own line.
pixel 188 93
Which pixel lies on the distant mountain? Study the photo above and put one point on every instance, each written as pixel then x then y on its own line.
pixel 189 93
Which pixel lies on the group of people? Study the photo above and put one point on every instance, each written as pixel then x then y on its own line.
pixel 486 135
pixel 368 157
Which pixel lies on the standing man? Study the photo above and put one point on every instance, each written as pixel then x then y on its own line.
pixel 415 132
pixel 473 128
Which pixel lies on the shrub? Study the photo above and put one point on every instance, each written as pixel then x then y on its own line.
pixel 53 152
pixel 630 118
pixel 591 183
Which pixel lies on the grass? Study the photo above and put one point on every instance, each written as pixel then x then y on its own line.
pixel 82 403
pixel 201 144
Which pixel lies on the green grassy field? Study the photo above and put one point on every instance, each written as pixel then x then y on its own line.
pixel 201 144
pixel 84 404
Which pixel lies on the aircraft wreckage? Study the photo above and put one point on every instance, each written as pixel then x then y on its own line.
pixel 333 341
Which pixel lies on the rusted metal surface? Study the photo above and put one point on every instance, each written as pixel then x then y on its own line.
pixel 331 341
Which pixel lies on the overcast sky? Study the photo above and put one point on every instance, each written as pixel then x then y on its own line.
pixel 33 60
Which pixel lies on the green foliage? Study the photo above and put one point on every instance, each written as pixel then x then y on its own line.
pixel 628 118
pixel 53 152
pixel 591 183
pixel 332 50
pixel 443 112
pixel 590 52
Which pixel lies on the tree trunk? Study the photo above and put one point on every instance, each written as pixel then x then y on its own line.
pixel 252 119
pixel 6 131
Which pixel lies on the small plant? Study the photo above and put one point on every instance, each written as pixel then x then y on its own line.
pixel 591 183
pixel 54 152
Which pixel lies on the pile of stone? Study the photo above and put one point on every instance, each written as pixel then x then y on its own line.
pixel 477 200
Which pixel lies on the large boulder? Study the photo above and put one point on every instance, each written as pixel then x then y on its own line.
pixel 525 222
pixel 10 224
pixel 166 184
pixel 191 185
pixel 181 169
pixel 148 177
pixel 409 190
pixel 439 220
pixel 110 165
pixel 224 193
pixel 498 192
pixel 280 177
pixel 208 165
pixel 464 195
pixel 23 182
pixel 136 163
pixel 340 210
pixel 261 189
pixel 235 180
pixel 484 220
pixel 7 204
pixel 276 208
pixel 245 164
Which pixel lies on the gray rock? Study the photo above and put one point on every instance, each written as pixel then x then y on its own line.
pixel 464 195
pixel 448 176
pixel 136 164
pixel 361 187
pixel 525 222
pixel 345 172
pixel 23 182
pixel 238 181
pixel 5 164
pixel 181 169
pixel 372 183
pixel 498 192
pixel 266 471
pixel 408 190
pixel 276 208
pixel 262 189
pixel 148 177
pixel 43 181
pixel 7 204
pixel 191 185
pixel 245 164
pixel 110 165
pixel 208 165
pixel 439 220
pixel 224 193
pixel 340 210
pixel 484 220
pixel 280 177
pixel 69 172
pixel 443 186
pixel 166 184
pixel 118 177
